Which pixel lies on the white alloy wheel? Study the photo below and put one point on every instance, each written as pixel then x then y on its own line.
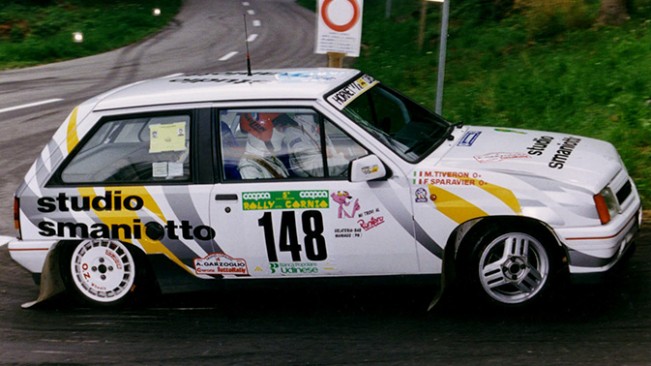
pixel 514 268
pixel 103 271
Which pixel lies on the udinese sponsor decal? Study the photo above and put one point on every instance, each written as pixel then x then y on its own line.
pixel 293 268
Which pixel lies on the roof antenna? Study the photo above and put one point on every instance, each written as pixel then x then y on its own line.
pixel 246 41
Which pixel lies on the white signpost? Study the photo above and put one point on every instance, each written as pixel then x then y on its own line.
pixel 339 27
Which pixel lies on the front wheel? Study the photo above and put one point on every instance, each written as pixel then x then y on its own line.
pixel 512 268
pixel 101 271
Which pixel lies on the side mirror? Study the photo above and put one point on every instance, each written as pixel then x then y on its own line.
pixel 367 168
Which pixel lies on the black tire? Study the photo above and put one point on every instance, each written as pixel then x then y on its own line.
pixel 100 272
pixel 512 268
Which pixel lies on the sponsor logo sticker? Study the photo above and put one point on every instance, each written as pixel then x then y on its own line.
pixel 220 263
pixel 469 138
pixel 283 200
pixel 293 268
pixel 421 195
pixel 500 156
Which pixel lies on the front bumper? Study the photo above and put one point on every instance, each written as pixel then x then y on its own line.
pixel 595 250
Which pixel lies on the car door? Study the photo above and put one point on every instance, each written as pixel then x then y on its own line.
pixel 287 208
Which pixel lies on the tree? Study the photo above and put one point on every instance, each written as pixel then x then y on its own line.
pixel 613 12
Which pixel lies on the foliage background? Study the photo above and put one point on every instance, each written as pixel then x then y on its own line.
pixel 536 64
pixel 40 31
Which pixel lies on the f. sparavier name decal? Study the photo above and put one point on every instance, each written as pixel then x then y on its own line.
pixel 342 97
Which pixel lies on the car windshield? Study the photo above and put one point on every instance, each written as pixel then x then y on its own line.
pixel 407 128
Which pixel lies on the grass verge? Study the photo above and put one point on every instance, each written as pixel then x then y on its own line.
pixel 34 32
pixel 581 79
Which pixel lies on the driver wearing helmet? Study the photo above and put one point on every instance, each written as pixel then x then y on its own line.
pixel 264 143
pixel 296 140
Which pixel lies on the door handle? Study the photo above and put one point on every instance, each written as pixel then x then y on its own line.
pixel 226 197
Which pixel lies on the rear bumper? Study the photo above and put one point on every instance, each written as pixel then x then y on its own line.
pixel 30 254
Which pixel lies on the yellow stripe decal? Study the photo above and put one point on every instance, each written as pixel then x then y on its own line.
pixel 453 206
pixel 126 217
pixel 72 138
pixel 504 195
pixel 501 193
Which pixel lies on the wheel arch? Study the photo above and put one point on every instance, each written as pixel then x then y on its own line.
pixel 461 242
pixel 53 275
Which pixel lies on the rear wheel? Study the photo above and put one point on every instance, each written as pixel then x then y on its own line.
pixel 101 271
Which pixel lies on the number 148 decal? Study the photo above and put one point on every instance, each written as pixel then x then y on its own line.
pixel 313 241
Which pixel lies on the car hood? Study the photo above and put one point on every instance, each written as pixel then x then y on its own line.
pixel 566 158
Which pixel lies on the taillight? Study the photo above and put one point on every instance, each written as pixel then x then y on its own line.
pixel 17 216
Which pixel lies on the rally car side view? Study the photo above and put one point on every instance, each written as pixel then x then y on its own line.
pixel 185 181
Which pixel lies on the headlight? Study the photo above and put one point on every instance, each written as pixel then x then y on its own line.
pixel 606 204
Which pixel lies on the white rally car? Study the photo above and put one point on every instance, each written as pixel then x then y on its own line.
pixel 185 181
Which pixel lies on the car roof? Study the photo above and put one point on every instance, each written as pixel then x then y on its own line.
pixel 306 83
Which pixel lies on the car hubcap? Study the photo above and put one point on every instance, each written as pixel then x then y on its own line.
pixel 102 270
pixel 513 268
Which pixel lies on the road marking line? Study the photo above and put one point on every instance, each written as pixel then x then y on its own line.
pixel 246 3
pixel 251 12
pixel 22 106
pixel 252 38
pixel 228 56
pixel 257 23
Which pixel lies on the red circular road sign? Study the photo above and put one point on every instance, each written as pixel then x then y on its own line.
pixel 339 27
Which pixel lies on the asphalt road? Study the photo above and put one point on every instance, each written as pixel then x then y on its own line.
pixel 600 324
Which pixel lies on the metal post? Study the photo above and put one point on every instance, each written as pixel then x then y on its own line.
pixel 421 25
pixel 442 51
pixel 387 10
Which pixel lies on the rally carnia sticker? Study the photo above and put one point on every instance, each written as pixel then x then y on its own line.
pixel 282 200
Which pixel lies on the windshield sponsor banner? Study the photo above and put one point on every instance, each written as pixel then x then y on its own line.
pixel 344 96
pixel 283 200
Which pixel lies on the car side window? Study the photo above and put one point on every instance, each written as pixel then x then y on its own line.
pixel 291 143
pixel 135 150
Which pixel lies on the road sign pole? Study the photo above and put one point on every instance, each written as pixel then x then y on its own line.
pixel 442 53
pixel 336 59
